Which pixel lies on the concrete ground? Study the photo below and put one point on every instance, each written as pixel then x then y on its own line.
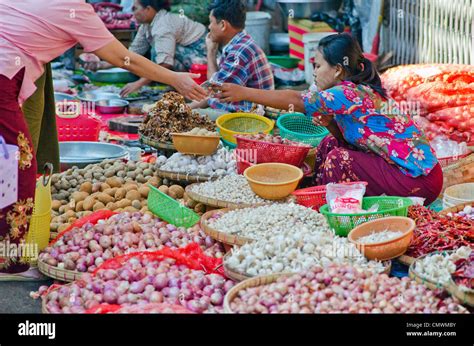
pixel 15 297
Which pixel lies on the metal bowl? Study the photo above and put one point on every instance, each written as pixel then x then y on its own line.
pixel 305 8
pixel 113 75
pixel 60 97
pixel 81 154
pixel 111 106
pixel 94 96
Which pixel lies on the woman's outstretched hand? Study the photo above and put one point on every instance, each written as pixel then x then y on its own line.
pixel 322 120
pixel 231 93
pixel 187 87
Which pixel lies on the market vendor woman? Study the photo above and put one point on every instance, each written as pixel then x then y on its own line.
pixel 369 141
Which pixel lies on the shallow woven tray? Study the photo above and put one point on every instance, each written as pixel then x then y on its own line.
pixel 254 282
pixel 158 145
pixel 183 177
pixel 221 236
pixel 216 203
pixel 58 274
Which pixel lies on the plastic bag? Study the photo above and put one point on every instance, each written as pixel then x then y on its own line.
pixel 191 256
pixel 445 147
pixel 345 198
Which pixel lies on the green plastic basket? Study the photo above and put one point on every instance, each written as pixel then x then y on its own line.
pixel 388 206
pixel 170 210
pixel 300 128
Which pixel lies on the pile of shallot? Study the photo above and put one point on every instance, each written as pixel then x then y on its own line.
pixel 342 289
pixel 141 281
pixel 84 249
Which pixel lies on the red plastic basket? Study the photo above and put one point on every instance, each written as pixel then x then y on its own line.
pixel 82 128
pixel 271 152
pixel 311 197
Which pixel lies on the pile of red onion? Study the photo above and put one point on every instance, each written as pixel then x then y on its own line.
pixel 342 289
pixel 84 249
pixel 141 282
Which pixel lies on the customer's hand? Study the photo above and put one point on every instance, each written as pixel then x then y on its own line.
pixel 212 46
pixel 187 87
pixel 130 88
pixel 232 93
pixel 322 120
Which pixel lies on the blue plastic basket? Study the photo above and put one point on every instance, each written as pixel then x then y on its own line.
pixel 300 128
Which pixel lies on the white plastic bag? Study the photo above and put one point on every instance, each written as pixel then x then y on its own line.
pixel 345 198
pixel 8 174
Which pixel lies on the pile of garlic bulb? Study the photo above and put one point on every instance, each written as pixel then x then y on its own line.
pixel 439 267
pixel 230 188
pixel 264 221
pixel 219 164
pixel 297 249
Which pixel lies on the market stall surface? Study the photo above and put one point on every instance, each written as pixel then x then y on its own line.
pixel 15 297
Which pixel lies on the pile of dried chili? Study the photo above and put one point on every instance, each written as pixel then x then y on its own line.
pixel 464 274
pixel 435 232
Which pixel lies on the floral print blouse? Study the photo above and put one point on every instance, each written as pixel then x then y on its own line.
pixel 374 124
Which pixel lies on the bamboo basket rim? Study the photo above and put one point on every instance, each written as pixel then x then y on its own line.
pixel 58 274
pixel 158 145
pixel 219 235
pixel 457 208
pixel 218 203
pixel 184 177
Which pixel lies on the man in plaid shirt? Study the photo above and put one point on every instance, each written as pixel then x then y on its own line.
pixel 242 61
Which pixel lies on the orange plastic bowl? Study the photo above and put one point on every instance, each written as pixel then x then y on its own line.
pixel 195 145
pixel 273 180
pixel 389 249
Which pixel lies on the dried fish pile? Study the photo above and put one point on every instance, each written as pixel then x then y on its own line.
pixel 172 114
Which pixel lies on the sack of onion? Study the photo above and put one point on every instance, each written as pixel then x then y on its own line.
pixel 337 289
pixel 84 249
pixel 140 279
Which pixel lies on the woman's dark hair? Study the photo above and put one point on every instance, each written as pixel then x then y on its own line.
pixel 233 11
pixel 343 49
pixel 157 5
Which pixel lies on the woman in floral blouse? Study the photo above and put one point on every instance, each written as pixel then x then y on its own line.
pixel 371 140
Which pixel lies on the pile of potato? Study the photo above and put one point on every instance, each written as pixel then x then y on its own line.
pixel 70 181
pixel 177 192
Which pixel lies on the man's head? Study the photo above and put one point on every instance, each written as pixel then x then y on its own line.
pixel 145 10
pixel 227 18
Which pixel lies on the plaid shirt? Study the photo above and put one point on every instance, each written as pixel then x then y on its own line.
pixel 243 63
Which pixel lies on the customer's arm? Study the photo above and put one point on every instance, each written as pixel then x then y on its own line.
pixel 281 99
pixel 116 54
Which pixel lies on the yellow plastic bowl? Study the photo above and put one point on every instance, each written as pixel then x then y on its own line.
pixel 273 180
pixel 195 145
pixel 242 123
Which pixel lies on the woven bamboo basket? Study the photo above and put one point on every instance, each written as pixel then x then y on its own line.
pixel 459 173
pixel 57 273
pixel 466 297
pixel 216 203
pixel 253 282
pixel 456 208
pixel 183 177
pixel 218 235
pixel 265 280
